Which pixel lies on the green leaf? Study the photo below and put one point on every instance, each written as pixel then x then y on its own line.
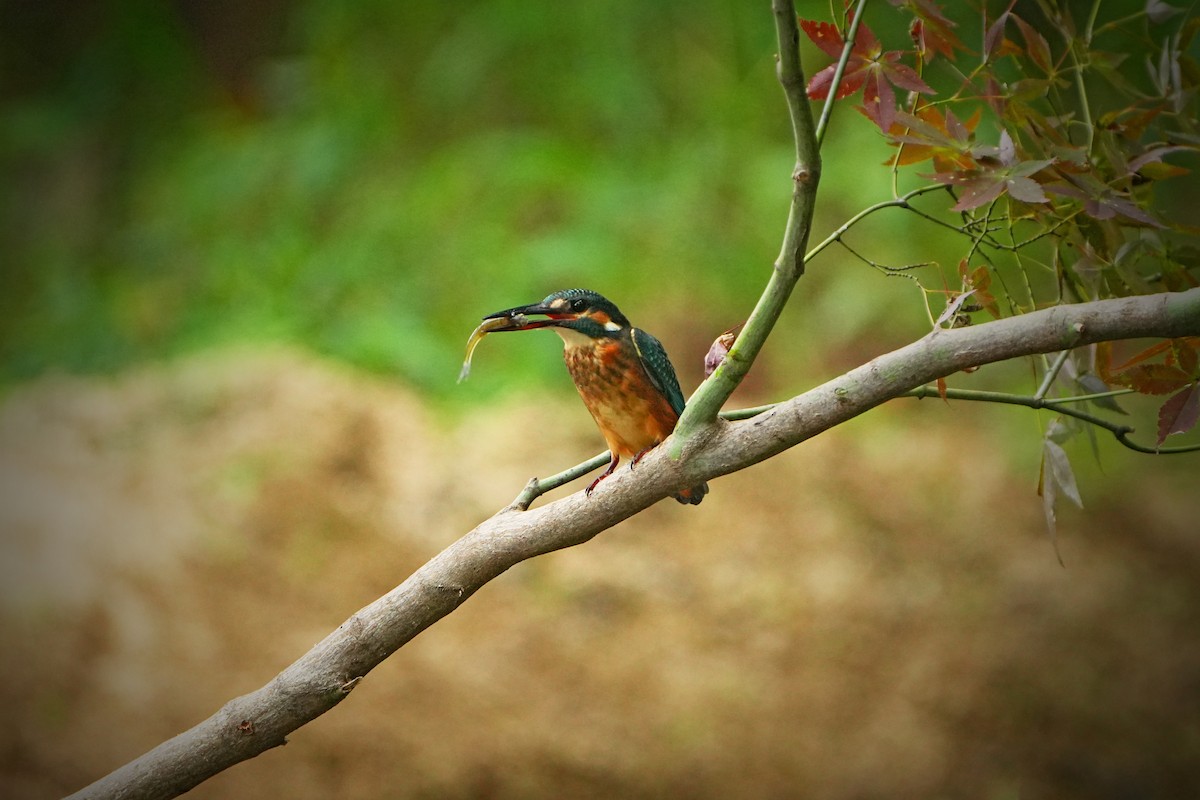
pixel 1060 431
pixel 1061 471
pixel 1036 45
pixel 1027 190
pixel 1092 384
pixel 1056 477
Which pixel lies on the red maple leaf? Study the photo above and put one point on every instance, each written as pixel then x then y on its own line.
pixel 929 134
pixel 1101 201
pixel 1179 413
pixel 932 32
pixel 868 67
pixel 1154 378
pixel 983 185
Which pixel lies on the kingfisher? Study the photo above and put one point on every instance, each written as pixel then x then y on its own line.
pixel 622 373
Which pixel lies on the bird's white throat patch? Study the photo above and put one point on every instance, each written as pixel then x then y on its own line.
pixel 573 338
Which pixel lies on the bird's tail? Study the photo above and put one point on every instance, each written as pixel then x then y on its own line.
pixel 693 496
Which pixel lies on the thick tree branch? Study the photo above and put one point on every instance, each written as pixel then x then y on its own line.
pixel 944 352
pixel 321 678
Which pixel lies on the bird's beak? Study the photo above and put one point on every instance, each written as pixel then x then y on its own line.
pixel 517 319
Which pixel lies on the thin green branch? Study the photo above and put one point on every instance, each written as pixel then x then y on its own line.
pixel 901 271
pixel 1050 231
pixel 899 202
pixel 980 238
pixel 1085 111
pixel 737 414
pixel 703 406
pixel 1090 27
pixel 1119 431
pixel 1122 23
pixel 1083 398
pixel 539 486
pixel 1051 374
pixel 984 229
pixel 838 71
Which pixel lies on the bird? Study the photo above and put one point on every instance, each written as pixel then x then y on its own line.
pixel 622 373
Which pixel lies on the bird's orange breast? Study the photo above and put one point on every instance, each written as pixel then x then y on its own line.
pixel 630 412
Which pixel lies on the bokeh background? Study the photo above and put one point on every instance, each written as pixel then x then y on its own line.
pixel 243 245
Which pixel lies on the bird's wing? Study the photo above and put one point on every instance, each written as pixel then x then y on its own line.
pixel 654 360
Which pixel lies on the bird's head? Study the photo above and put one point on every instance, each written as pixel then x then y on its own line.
pixel 574 313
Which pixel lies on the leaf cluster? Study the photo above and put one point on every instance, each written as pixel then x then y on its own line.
pixel 1058 142
pixel 1060 133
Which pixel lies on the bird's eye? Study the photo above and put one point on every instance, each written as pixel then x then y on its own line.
pixel 578 304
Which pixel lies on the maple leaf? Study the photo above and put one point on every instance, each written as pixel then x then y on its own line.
pixel 995 43
pixel 1150 163
pixel 992 172
pixel 1036 46
pixel 1183 353
pixel 1129 123
pixel 1101 201
pixel 869 67
pixel 1147 354
pixel 1105 356
pixel 994 35
pixel 980 281
pixel 932 32
pixel 928 134
pixel 1056 476
pixel 986 183
pixel 1154 378
pixel 1179 367
pixel 1179 413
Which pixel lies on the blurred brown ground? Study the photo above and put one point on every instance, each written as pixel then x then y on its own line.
pixel 862 617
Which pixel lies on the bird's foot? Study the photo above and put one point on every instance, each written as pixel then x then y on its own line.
pixel 633 463
pixel 612 465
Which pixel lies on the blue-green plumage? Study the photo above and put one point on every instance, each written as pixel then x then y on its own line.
pixel 658 367
pixel 622 373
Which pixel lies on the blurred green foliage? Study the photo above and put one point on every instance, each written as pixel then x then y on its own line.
pixel 369 179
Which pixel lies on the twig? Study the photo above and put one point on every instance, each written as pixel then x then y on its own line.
pixel 539 486
pixel 838 71
pixel 1119 431
pixel 892 272
pixel 1051 374
pixel 899 202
